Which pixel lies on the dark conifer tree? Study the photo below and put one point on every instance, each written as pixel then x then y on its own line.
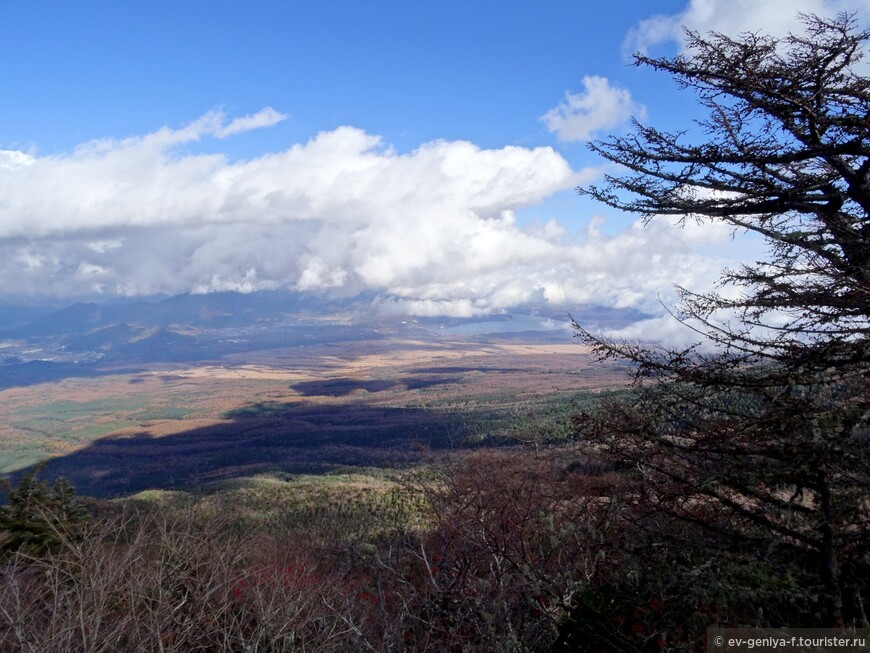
pixel 758 435
pixel 36 519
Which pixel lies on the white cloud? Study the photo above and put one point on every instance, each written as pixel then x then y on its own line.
pixel 12 159
pixel 433 230
pixel 264 118
pixel 601 105
pixel 103 246
pixel 733 17
pixel 86 270
pixel 664 329
pixel 247 284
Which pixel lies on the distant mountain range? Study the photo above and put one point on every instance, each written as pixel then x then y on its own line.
pixel 207 310
pixel 39 343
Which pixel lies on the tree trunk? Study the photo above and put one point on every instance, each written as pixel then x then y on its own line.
pixel 829 567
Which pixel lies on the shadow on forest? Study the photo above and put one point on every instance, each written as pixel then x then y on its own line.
pixel 294 438
pixel 346 386
pixel 20 375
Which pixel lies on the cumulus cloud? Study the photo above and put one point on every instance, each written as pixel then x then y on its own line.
pixel 733 17
pixel 601 105
pixel 433 231
pixel 12 159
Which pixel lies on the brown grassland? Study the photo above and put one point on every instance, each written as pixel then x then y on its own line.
pixel 399 388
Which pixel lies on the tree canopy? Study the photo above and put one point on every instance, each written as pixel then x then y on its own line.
pixel 763 438
pixel 786 155
pixel 37 518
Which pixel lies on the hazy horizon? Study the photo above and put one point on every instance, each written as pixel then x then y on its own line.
pixel 424 157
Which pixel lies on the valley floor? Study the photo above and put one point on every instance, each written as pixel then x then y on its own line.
pixel 304 409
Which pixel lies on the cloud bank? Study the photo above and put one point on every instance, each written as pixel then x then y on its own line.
pixel 433 231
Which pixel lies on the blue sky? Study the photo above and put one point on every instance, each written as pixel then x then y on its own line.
pixel 409 71
pixel 426 151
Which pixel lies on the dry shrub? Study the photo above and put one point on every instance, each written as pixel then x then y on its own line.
pixel 511 537
pixel 146 583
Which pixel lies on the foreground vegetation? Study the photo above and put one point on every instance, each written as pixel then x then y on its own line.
pixel 731 488
pixel 766 419
pixel 492 550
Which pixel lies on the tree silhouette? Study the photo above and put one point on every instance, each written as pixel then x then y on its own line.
pixel 758 435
